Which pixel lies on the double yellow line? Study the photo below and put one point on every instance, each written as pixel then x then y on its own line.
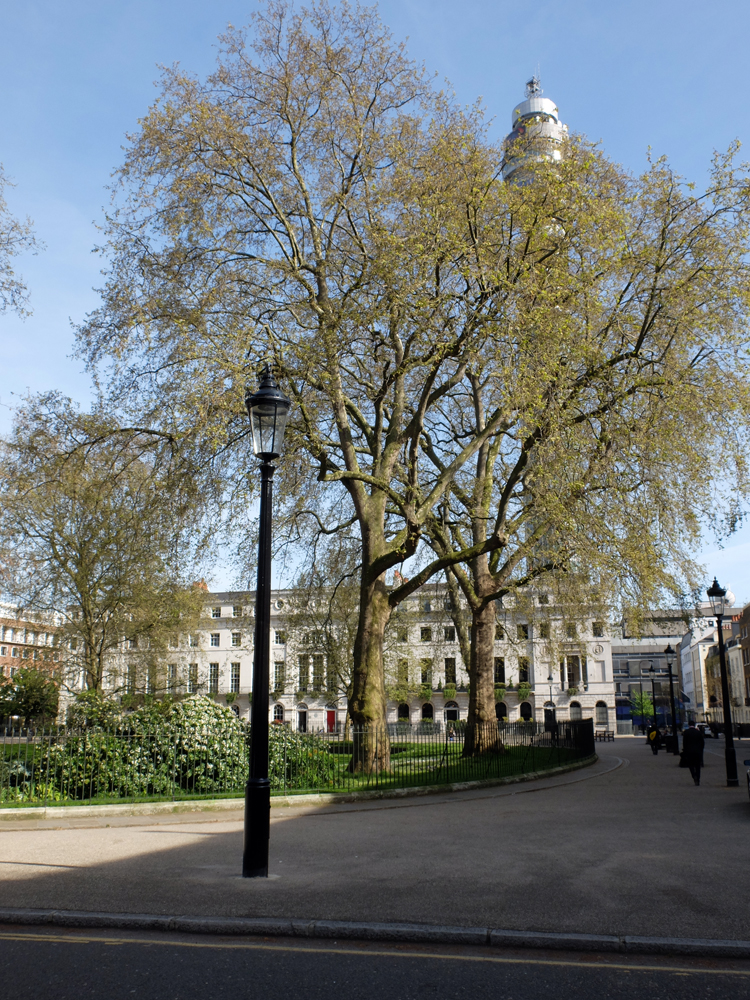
pixel 335 949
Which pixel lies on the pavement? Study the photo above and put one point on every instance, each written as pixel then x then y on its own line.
pixel 628 846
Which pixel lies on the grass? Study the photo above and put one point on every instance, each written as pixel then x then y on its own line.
pixel 418 763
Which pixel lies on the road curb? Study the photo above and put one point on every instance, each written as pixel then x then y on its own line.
pixel 188 806
pixel 371 931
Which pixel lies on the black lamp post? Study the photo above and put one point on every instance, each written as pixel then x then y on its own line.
pixel 652 671
pixel 268 409
pixel 640 685
pixel 669 653
pixel 717 597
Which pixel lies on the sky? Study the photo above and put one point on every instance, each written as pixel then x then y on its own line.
pixel 75 77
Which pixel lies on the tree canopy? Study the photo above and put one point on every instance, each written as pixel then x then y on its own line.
pixel 533 378
pixel 95 529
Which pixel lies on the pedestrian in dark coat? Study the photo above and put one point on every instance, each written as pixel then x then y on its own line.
pixel 692 751
pixel 653 739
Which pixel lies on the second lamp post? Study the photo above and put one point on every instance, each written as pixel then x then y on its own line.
pixel 268 409
pixel 717 597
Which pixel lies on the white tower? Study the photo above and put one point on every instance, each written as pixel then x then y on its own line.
pixel 538 133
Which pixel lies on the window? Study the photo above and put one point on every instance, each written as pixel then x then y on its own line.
pixel 279 677
pixel 278 713
pixel 499 633
pixel 236 639
pixel 173 642
pixel 26 654
pixel 151 680
pixel 318 665
pixel 216 612
pixel 331 678
pixel 213 678
pixel 280 638
pixel 597 630
pixel 428 712
pixel 172 676
pixel 525 709
pixel 403 712
pixel 544 631
pixel 425 669
pixel 3 650
pixel 303 663
pixel 523 670
pixel 234 678
pixel 193 642
pixel 236 611
pixel 544 598
pixel 403 635
pixel 570 630
pixel 132 644
pixel 499 670
pixel 522 631
pixel 215 638
pixel 131 679
pixel 192 678
pixel 449 633
pixel 450 670
pixel 425 634
pixel 602 715
pixel 427 606
pixel 448 604
pixel 575 711
pixel 73 646
pixel 402 672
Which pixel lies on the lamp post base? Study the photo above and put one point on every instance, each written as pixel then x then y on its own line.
pixel 731 760
pixel 257 828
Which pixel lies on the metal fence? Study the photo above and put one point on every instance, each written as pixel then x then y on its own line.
pixel 48 767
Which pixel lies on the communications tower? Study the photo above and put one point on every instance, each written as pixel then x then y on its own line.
pixel 537 133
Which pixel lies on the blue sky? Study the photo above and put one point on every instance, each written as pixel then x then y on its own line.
pixel 76 76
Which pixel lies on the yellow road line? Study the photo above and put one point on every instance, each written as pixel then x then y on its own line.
pixel 376 953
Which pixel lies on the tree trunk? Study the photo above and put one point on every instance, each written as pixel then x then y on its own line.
pixel 367 703
pixel 481 726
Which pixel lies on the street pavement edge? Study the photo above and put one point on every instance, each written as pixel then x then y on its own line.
pixel 371 931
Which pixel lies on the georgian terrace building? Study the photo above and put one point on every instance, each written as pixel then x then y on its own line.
pixel 26 640
pixel 426 675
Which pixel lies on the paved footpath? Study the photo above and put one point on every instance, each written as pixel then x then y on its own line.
pixel 628 846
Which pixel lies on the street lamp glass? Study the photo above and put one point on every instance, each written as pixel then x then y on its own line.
pixel 669 653
pixel 268 409
pixel 716 596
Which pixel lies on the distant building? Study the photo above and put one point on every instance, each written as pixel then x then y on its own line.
pixel 537 134
pixel 426 673
pixel 26 640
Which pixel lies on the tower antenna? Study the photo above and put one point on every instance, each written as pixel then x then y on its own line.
pixel 534 87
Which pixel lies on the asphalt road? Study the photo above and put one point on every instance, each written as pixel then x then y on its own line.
pixel 55 965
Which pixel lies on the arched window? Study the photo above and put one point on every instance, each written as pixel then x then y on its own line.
pixel 525 711
pixel 403 712
pixel 602 714
pixel 451 711
pixel 278 713
pixel 575 711
pixel 428 712
pixel 501 710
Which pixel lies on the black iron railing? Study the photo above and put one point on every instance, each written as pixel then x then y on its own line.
pixel 59 766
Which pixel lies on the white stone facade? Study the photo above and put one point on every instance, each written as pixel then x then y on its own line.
pixel 218 660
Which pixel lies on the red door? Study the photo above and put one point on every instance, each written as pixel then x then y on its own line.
pixel 331 720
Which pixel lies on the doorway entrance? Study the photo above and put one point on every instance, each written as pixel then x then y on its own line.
pixel 330 718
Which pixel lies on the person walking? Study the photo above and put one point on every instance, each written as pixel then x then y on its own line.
pixel 692 750
pixel 653 739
